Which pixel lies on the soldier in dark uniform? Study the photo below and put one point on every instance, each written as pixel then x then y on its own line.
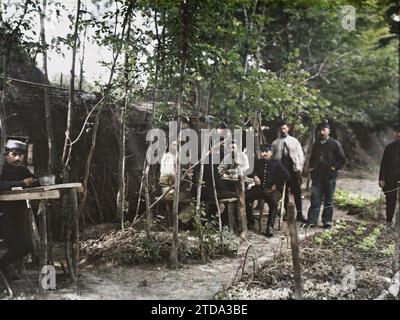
pixel 269 176
pixel 389 174
pixel 327 158
pixel 15 212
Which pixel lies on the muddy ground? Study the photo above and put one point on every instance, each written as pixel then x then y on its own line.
pixel 191 281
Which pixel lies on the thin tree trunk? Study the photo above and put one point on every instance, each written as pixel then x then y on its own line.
pixel 122 138
pixel 147 198
pixel 395 265
pixel 185 20
pixel 47 105
pixel 3 126
pixel 216 200
pixel 242 204
pixel 140 193
pixel 294 243
pixel 82 60
pixel 97 119
pixel 158 54
pixel 205 146
pixel 67 147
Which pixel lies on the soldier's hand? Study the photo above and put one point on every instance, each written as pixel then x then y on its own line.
pixel 273 187
pixel 257 180
pixel 189 174
pixel 381 183
pixel 28 182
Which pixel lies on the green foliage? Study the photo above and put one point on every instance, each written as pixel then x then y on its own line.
pixel 282 58
pixel 209 236
pixel 362 236
pixel 388 251
pixel 347 200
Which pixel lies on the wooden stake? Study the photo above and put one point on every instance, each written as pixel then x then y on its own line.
pixel 216 201
pixel 395 264
pixel 147 198
pixel 75 240
pixel 294 243
pixel 241 204
pixel 43 238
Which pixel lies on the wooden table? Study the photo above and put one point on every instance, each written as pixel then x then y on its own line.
pixel 44 194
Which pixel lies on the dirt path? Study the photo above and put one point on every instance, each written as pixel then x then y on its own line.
pixel 191 281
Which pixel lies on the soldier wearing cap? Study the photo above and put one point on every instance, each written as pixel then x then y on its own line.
pixel 389 173
pixel 14 222
pixel 288 149
pixel 269 176
pixel 327 158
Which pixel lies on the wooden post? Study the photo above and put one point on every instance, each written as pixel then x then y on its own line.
pixel 43 239
pixel 231 216
pixel 282 206
pixel 147 198
pixel 241 205
pixel 294 243
pixel 67 240
pixel 75 228
pixel 217 201
pixel 395 264
pixel 34 232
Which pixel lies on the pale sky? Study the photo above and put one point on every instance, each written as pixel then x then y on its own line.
pixel 93 54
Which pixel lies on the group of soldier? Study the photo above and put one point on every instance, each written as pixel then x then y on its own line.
pixel 277 173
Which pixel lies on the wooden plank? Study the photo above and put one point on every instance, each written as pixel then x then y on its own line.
pixel 39 195
pixel 65 186
pixel 76 185
pixel 228 200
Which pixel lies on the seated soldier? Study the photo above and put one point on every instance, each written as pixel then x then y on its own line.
pixel 167 180
pixel 269 176
pixel 168 170
pixel 15 212
pixel 234 164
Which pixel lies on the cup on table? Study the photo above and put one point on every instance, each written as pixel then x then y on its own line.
pixel 47 180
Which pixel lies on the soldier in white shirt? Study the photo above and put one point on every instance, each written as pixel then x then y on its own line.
pixel 288 149
pixel 168 168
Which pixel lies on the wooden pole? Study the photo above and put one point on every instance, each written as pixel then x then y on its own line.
pixel 217 201
pixel 294 243
pixel 34 232
pixel 75 239
pixel 185 22
pixel 395 264
pixel 147 198
pixel 43 239
pixel 282 203
pixel 67 240
pixel 200 183
pixel 241 204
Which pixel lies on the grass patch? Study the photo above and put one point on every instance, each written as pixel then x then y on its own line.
pixel 355 204
pixel 132 247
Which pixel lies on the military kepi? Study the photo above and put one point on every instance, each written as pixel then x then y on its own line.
pixel 15 145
